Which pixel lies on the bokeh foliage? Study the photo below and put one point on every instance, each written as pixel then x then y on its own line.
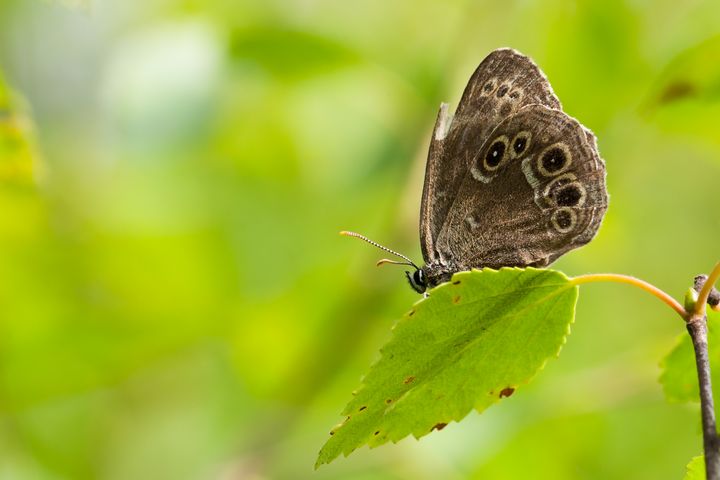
pixel 175 301
pixel 679 375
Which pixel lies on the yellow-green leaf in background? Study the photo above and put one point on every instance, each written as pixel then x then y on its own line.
pixel 686 97
pixel 17 151
pixel 288 53
pixel 679 376
pixel 693 74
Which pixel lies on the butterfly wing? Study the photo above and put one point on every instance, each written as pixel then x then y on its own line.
pixel 534 190
pixel 504 82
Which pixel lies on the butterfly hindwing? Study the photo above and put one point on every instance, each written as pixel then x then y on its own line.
pixel 534 190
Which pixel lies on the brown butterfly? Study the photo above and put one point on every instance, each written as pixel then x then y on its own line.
pixel 511 180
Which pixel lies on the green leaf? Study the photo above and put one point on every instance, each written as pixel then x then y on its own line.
pixel 693 74
pixel 679 375
pixel 290 54
pixel 696 469
pixel 687 94
pixel 473 341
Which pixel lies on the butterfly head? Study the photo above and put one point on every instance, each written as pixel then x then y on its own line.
pixel 417 280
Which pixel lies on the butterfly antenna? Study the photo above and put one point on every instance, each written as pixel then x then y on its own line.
pixel 381 247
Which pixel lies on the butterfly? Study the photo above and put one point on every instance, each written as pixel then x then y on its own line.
pixel 511 180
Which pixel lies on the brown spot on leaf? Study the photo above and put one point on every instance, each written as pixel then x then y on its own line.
pixel 456 282
pixel 362 408
pixel 456 299
pixel 438 426
pixel 377 433
pixel 408 379
pixel 332 432
pixel 388 401
pixel 506 392
pixel 411 313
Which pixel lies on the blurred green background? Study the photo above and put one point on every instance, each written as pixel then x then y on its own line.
pixel 175 302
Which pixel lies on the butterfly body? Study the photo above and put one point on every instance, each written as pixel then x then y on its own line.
pixel 511 180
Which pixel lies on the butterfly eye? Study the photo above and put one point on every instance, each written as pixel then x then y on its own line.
pixel 569 195
pixel 554 160
pixel 489 86
pixel 565 191
pixel 496 153
pixel 520 143
pixel 564 219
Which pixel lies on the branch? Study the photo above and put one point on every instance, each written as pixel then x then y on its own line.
pixel 642 284
pixel 707 293
pixel 697 328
